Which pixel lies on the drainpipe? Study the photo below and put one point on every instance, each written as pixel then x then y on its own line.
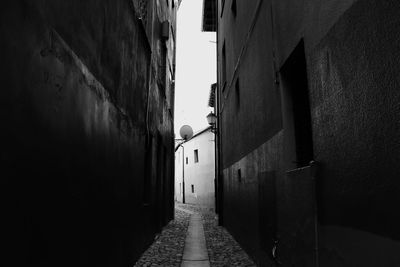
pixel 218 135
pixel 183 174
pixel 183 169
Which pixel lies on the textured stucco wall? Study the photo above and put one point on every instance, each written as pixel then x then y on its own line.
pixel 351 54
pixel 248 196
pixel 355 99
pixel 251 122
pixel 75 79
pixel 242 133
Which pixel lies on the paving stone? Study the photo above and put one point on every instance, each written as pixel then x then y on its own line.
pixel 167 250
pixel 223 250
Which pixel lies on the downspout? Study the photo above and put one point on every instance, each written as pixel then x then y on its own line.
pixel 314 166
pixel 276 82
pixel 220 184
pixel 216 205
pixel 242 52
pixel 149 69
pixel 183 174
pixel 183 169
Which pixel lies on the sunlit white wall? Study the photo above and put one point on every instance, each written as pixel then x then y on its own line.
pixel 199 175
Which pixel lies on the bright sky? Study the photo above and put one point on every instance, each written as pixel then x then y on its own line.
pixel 195 67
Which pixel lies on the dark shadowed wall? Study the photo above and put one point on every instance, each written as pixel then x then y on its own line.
pixel 82 113
pixel 341 55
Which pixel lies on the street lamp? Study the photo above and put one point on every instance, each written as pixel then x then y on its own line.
pixel 212 121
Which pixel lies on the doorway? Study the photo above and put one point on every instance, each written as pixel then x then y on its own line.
pixel 296 110
pixel 296 244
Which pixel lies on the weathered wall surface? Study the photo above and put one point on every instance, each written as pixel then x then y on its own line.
pixel 250 195
pixel 355 100
pixel 251 125
pixel 74 99
pixel 351 55
pixel 200 174
pixel 248 86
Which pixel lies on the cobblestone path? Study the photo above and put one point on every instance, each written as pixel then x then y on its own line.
pixel 167 250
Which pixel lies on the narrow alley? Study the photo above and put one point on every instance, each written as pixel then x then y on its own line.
pixel 172 247
pixel 200 133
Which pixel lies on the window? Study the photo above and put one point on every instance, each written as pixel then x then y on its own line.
pixel 233 8
pixel 223 67
pixel 298 112
pixel 196 155
pixel 239 173
pixel 222 6
pixel 237 92
pixel 192 188
pixel 162 66
pixel 187 160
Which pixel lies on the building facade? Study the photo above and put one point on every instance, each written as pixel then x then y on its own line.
pixel 87 139
pixel 195 183
pixel 308 128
